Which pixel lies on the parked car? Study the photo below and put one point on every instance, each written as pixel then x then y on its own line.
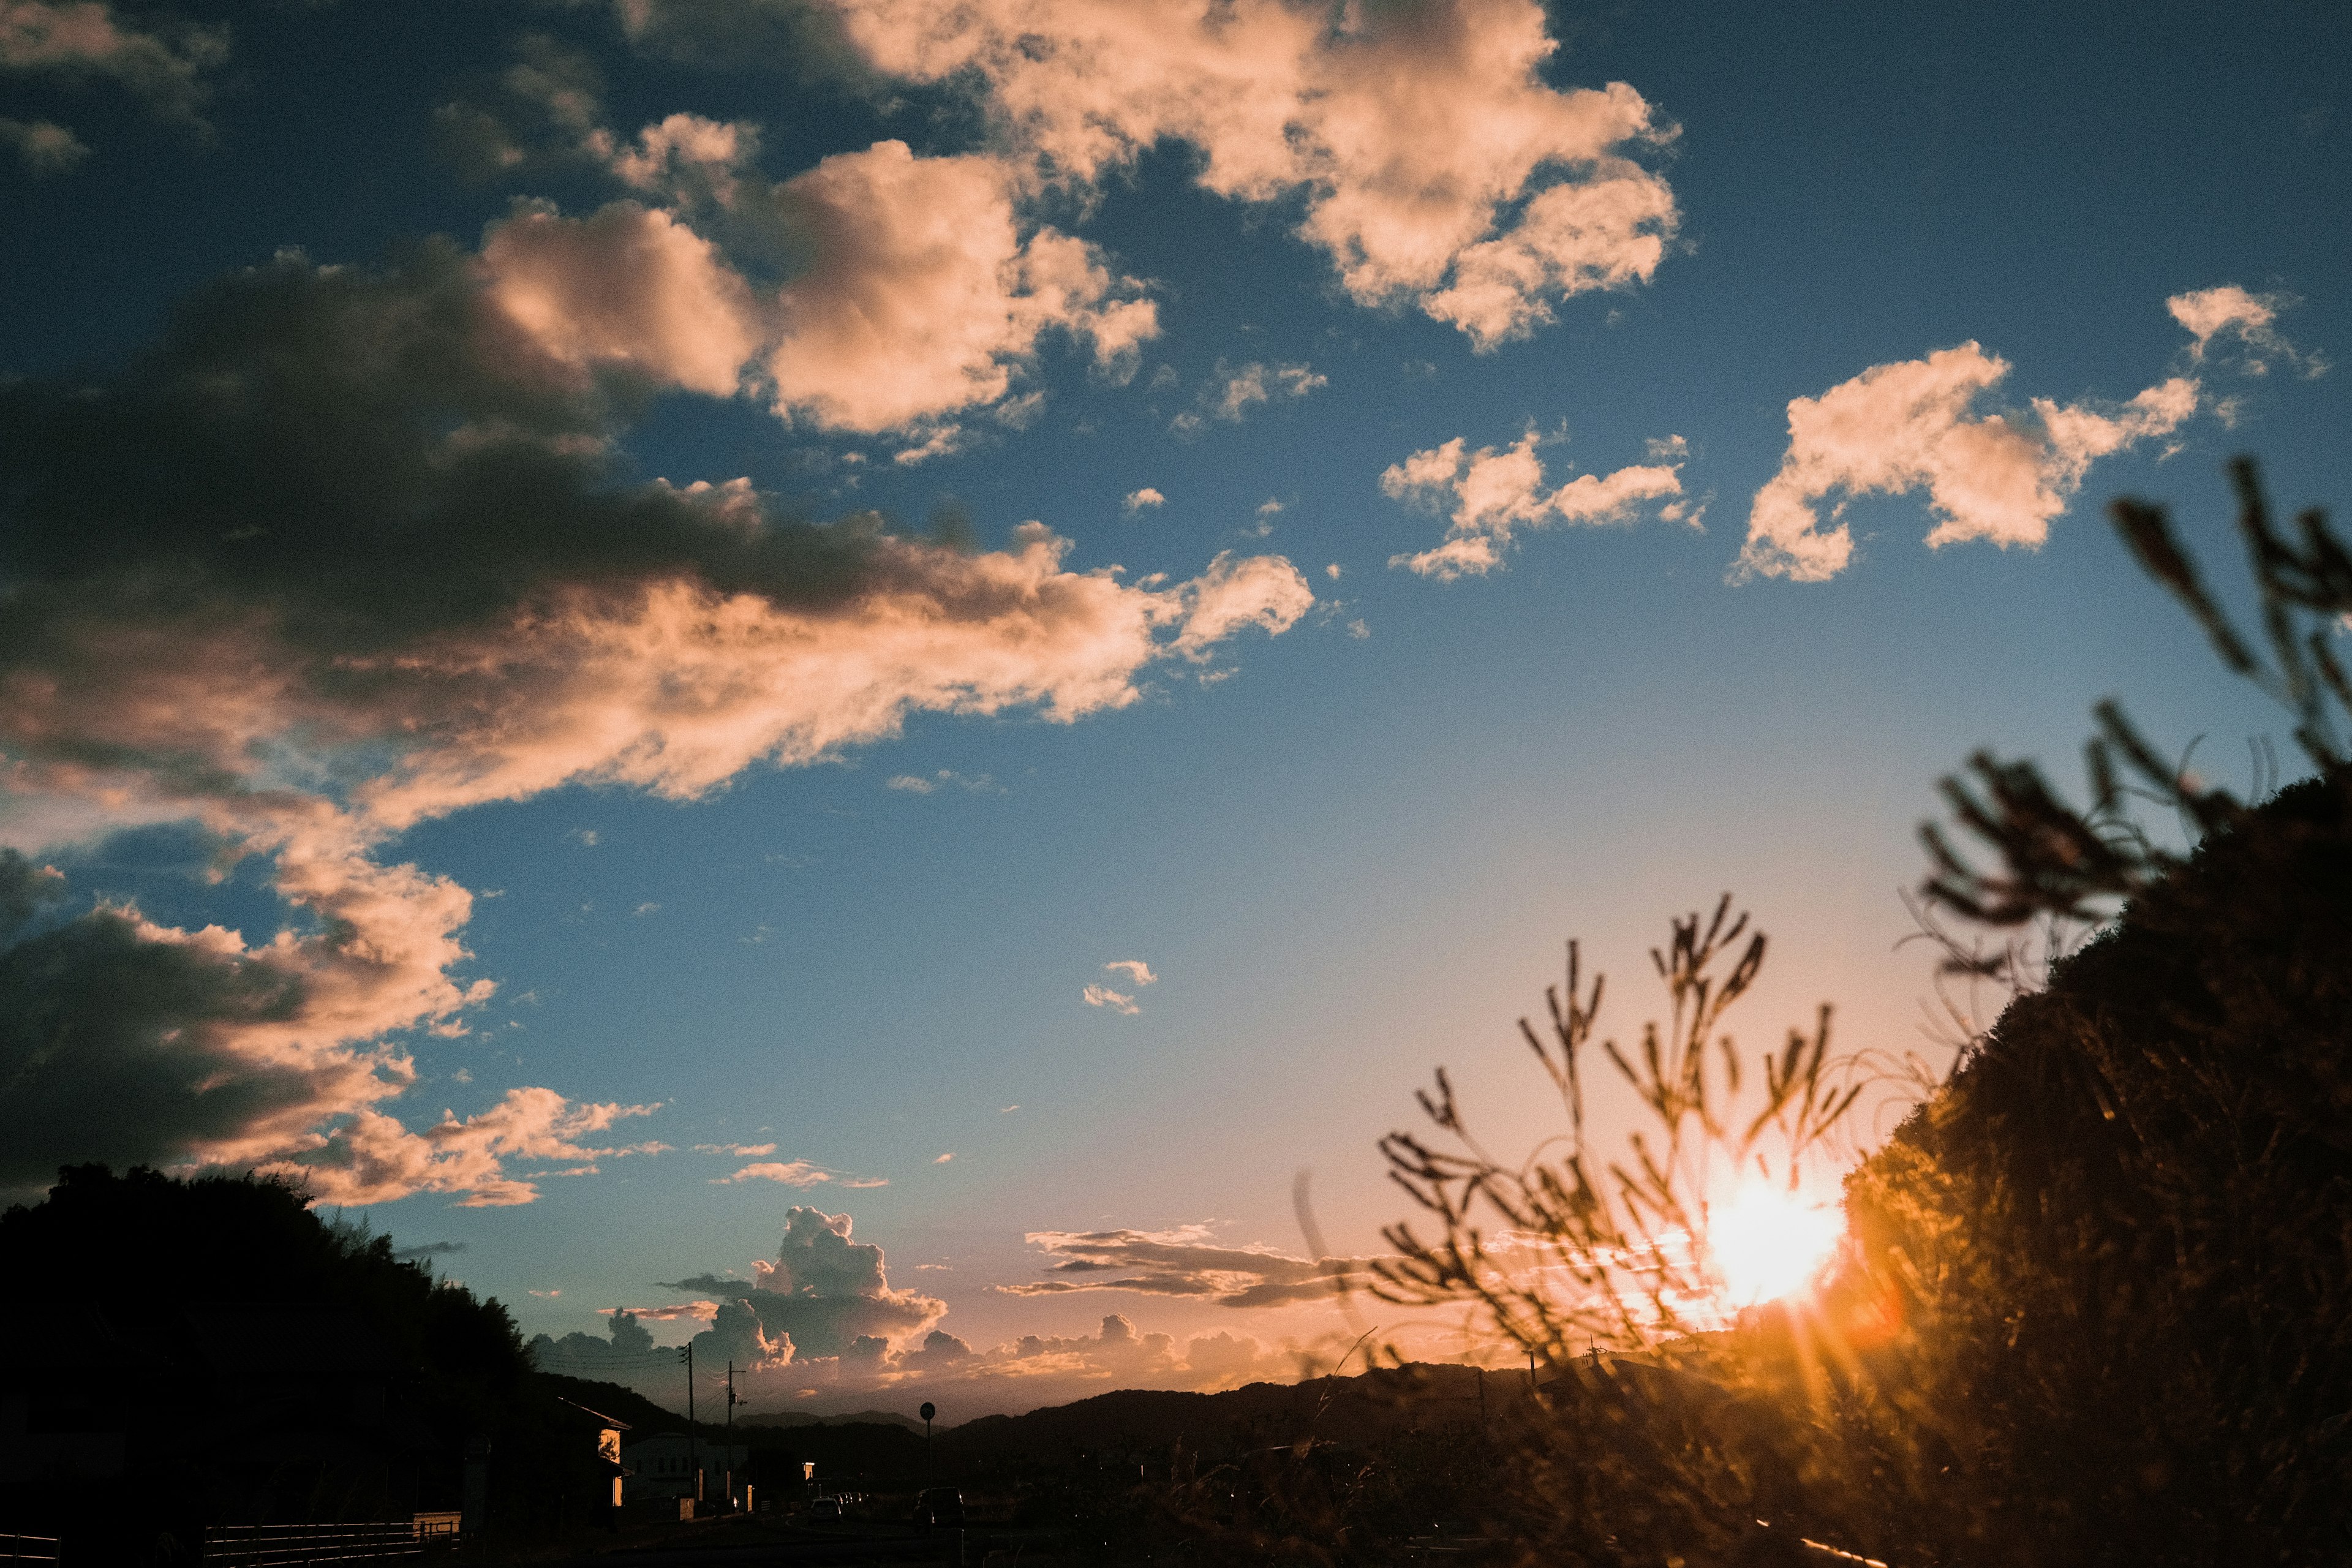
pixel 940 1506
pixel 825 1508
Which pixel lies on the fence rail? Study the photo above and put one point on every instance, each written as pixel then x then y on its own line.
pixel 27 1548
pixel 291 1545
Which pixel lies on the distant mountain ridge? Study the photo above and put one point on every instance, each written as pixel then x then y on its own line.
pixel 853 1418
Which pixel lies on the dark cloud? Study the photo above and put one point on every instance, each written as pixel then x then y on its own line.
pixel 631 1344
pixel 352 548
pixel 119 1048
pixel 1182 1263
pixel 429 1249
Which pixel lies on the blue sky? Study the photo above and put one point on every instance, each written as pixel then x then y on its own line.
pixel 361 590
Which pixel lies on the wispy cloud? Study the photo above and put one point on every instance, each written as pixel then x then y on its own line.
pixel 1104 997
pixel 1184 1262
pixel 800 1173
pixel 945 778
pixel 1488 494
pixel 1232 392
pixel 2230 312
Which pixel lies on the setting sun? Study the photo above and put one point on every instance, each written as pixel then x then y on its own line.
pixel 1769 1243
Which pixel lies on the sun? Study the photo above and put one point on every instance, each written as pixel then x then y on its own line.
pixel 1770 1242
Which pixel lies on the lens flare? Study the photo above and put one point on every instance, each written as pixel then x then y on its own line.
pixel 1769 1243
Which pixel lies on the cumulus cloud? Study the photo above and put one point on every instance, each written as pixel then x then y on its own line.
pixel 1911 426
pixel 44 146
pixel 1435 164
pixel 2249 320
pixel 924 298
pixel 627 286
pixel 901 291
pixel 1488 494
pixel 1236 592
pixel 823 1291
pixel 84 41
pixel 1184 1262
pixel 824 1320
pixel 1138 499
pixel 378 560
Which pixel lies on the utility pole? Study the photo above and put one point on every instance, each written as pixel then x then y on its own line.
pixel 728 1470
pixel 693 1438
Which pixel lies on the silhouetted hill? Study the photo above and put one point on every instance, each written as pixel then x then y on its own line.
pixel 1354 1411
pixel 790 1418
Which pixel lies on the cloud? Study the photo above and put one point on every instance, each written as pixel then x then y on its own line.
pixel 1137 972
pixel 2248 320
pixel 943 1158
pixel 1138 499
pixel 1488 494
pixel 1181 1262
pixel 1910 425
pixel 627 287
pixel 373 1159
pixel 429 1249
pixel 1231 393
pixel 1236 592
pixel 825 1317
pixel 82 39
pixel 793 1173
pixel 924 298
pixel 46 147
pixel 790 1173
pixel 741 1151
pixel 1435 164
pixel 381 559
pixel 1117 1001
pixel 915 783
pixel 823 1291
pixel 901 291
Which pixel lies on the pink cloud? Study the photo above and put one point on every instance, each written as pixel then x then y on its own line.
pixel 924 298
pixel 627 286
pixel 1910 425
pixel 1436 164
pixel 1488 494
pixel 373 1159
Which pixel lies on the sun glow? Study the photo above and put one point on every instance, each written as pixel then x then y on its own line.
pixel 1769 1243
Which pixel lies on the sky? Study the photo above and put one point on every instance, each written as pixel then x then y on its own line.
pixel 850 675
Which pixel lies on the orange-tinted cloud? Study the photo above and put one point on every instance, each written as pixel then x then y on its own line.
pixel 1489 495
pixel 377 562
pixel 924 298
pixel 1436 164
pixel 1911 426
